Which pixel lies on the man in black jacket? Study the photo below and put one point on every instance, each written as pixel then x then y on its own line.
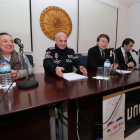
pixel 124 57
pixel 99 53
pixel 61 59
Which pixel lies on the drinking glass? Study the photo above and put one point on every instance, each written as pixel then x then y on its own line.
pixel 99 74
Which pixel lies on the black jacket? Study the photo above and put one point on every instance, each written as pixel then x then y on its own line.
pixel 63 58
pixel 121 60
pixel 94 58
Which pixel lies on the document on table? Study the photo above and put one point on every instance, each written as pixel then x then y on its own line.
pixel 73 76
pixel 123 71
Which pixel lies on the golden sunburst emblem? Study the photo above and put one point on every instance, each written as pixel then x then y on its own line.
pixel 53 20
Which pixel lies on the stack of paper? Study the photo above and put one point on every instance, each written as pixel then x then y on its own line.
pixel 123 71
pixel 73 76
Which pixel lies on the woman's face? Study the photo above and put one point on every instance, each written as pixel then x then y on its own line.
pixel 6 44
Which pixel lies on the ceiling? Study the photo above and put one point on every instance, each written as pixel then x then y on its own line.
pixel 128 2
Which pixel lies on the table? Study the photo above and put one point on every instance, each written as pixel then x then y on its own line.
pixel 89 95
pixel 24 113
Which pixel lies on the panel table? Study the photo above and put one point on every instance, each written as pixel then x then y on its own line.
pixel 89 95
pixel 24 113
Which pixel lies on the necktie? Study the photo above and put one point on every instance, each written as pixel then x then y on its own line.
pixel 103 55
pixel 125 57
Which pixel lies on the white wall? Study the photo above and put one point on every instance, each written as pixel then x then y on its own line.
pixel 122 21
pixel 134 27
pixel 41 42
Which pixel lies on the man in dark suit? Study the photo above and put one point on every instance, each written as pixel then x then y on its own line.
pixel 123 55
pixel 99 53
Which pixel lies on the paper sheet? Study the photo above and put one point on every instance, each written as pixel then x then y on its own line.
pixel 98 77
pixel 123 71
pixel 73 76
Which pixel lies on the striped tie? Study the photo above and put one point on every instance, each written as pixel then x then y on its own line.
pixel 125 57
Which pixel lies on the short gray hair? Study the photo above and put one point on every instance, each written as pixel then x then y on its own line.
pixel 59 33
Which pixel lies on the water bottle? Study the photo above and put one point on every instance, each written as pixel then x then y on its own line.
pixel 106 69
pixel 5 74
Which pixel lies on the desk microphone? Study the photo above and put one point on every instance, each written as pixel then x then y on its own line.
pixel 135 51
pixel 113 54
pixel 18 42
pixel 27 83
pixel 110 49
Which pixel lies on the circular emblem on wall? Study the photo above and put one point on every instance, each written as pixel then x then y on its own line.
pixel 53 20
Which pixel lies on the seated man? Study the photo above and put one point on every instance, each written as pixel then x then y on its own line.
pixel 123 55
pixel 99 53
pixel 60 58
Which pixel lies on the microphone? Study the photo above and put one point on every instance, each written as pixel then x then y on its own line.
pixel 113 55
pixel 135 51
pixel 110 49
pixel 18 42
pixel 27 83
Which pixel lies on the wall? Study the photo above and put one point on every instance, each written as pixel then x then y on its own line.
pixel 122 20
pixel 41 42
pixel 134 27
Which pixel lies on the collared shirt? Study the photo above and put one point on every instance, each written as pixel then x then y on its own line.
pixel 8 59
pixel 123 51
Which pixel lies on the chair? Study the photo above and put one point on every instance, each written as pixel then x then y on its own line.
pixel 30 58
pixel 78 54
pixel 83 59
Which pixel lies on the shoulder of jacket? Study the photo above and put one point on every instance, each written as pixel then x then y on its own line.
pixel 93 48
pixel 51 48
pixel 19 55
pixel 118 49
pixel 71 50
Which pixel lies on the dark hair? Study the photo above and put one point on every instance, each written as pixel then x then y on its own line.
pixel 103 35
pixel 127 41
pixel 4 33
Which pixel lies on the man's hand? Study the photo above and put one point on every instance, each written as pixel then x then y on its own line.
pixel 83 70
pixel 130 64
pixel 115 66
pixel 14 72
pixel 59 71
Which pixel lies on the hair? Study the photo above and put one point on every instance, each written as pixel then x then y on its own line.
pixel 103 35
pixel 4 33
pixel 127 41
pixel 59 33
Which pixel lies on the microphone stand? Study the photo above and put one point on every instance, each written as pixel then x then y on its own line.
pixel 27 83
pixel 113 72
pixel 138 53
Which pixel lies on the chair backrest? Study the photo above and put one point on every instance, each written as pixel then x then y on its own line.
pixel 83 60
pixel 30 58
pixel 78 54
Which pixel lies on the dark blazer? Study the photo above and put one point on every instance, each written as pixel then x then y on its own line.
pixel 94 58
pixel 121 60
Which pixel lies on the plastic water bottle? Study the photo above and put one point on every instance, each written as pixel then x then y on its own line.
pixel 5 74
pixel 106 69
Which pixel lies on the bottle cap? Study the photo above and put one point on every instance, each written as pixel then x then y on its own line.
pixel 107 59
pixel 4 60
